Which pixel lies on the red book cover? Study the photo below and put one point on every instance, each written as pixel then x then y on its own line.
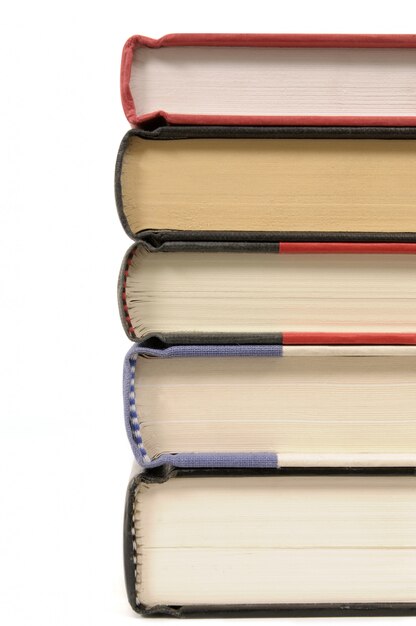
pixel 249 79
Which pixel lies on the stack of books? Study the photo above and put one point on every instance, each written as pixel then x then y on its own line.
pixel 269 185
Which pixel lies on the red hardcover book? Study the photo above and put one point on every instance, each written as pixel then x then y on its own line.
pixel 248 79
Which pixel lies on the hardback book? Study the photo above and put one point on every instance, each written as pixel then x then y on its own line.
pixel 293 183
pixel 272 405
pixel 270 79
pixel 197 292
pixel 205 543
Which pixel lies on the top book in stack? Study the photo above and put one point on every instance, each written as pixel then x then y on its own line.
pixel 308 80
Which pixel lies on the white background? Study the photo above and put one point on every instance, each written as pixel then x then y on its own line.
pixel 64 456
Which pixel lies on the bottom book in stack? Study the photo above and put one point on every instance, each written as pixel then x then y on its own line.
pixel 271 542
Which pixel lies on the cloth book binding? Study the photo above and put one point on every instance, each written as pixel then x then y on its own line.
pixel 246 406
pixel 288 79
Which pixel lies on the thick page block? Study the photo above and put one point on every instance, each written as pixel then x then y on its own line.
pixel 266 79
pixel 268 184
pixel 272 405
pixel 210 292
pixel 226 543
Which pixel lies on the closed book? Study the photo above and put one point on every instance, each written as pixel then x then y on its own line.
pixel 228 543
pixel 272 405
pixel 268 79
pixel 290 183
pixel 207 292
